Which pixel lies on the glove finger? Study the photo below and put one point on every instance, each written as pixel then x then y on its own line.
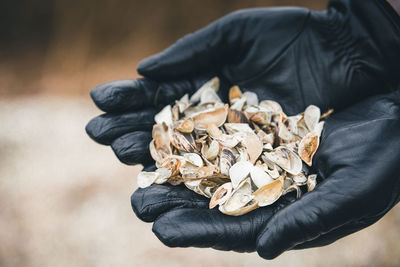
pixel 203 50
pixel 336 234
pixel 133 148
pixel 150 202
pixel 136 94
pixel 108 127
pixel 210 228
pixel 307 218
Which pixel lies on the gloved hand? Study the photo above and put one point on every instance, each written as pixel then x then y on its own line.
pixel 359 175
pixel 295 56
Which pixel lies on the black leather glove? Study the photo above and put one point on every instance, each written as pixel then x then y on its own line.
pixel 292 55
pixel 295 56
pixel 359 175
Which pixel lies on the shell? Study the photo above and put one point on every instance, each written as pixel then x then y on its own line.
pixel 234 93
pixel 251 98
pixel 213 131
pixel 165 115
pixel 240 196
pixel 209 96
pixel 183 103
pixel 311 182
pixel 243 210
pixel 293 187
pixel 186 126
pixel 271 106
pixel 227 140
pixel 233 128
pixel 286 159
pixel 238 105
pixel 212 84
pixel 320 126
pixel 215 116
pixel 183 142
pixel 239 171
pixel 212 151
pixel 145 179
pixel 253 146
pixel 162 142
pixel 227 160
pixel 308 146
pixel 164 174
pixel 311 116
pixel 194 159
pixel 269 193
pixel 221 195
pixel 261 117
pixel 236 116
pixel 260 177
pixel 300 179
pixel 207 171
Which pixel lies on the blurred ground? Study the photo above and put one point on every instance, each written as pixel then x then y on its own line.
pixel 64 201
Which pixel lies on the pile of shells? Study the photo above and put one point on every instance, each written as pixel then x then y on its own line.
pixel 243 156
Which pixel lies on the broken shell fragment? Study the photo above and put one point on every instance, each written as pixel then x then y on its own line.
pixel 211 84
pixel 240 196
pixel 260 177
pixel 165 115
pixel 212 151
pixel 228 159
pixel 311 182
pixel 251 98
pixel 286 159
pixel 269 193
pixel 236 116
pixel 145 179
pixel 221 195
pixel 186 126
pixel 311 116
pixel 194 159
pixel 239 171
pixel 234 93
pixel 308 146
pixel 215 116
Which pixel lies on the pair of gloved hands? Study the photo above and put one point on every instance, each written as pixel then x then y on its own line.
pixel 297 57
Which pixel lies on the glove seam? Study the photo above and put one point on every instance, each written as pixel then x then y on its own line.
pixel 179 200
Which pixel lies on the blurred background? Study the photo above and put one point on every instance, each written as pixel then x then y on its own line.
pixel 64 200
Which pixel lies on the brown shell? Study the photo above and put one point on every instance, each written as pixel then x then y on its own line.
pixel 234 93
pixel 216 116
pixel 236 116
pixel 186 126
pixel 308 146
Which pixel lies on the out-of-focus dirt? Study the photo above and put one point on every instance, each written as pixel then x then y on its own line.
pixel 65 202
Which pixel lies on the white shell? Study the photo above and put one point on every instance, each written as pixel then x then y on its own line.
pixel 163 175
pixel 286 159
pixel 311 116
pixel 239 171
pixel 240 197
pixel 251 98
pixel 270 106
pixel 238 105
pixel 209 96
pixel 194 159
pixel 213 84
pixel 145 179
pixel 232 128
pixel 260 177
pixel 165 115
